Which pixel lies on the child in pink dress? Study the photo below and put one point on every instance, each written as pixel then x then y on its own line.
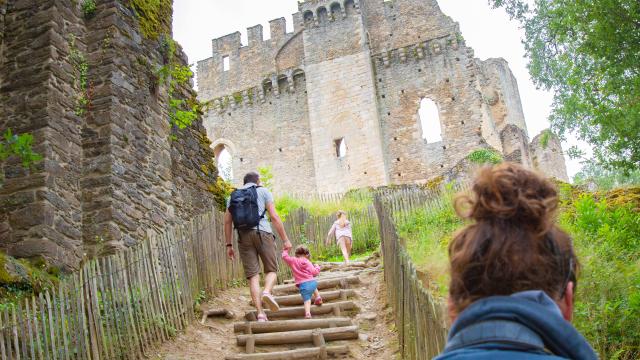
pixel 304 273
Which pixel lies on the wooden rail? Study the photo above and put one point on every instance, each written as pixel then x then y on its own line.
pixel 419 317
pixel 120 306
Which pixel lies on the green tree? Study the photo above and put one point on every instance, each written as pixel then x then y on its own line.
pixel 606 179
pixel 19 146
pixel 586 52
pixel 266 176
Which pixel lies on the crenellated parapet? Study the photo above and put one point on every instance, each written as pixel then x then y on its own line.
pixel 316 12
pixel 421 50
pixel 272 88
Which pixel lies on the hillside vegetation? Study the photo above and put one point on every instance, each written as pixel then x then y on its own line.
pixel 605 227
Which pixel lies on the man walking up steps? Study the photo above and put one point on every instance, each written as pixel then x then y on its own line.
pixel 246 210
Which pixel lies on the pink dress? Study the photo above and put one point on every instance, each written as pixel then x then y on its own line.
pixel 342 231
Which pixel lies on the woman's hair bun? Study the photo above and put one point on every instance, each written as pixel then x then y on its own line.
pixel 510 193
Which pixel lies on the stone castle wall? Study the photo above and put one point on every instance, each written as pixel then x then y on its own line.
pixel 111 173
pixel 367 65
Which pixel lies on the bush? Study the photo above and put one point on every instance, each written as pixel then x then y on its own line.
pixel 608 293
pixel 485 156
pixel 88 8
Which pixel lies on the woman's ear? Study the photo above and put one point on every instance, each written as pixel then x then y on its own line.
pixel 566 303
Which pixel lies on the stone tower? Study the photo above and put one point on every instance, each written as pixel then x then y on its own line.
pixel 112 171
pixel 352 76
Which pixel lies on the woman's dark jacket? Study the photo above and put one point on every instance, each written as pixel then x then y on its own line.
pixel 525 325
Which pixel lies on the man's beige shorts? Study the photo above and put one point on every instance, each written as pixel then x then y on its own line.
pixel 253 246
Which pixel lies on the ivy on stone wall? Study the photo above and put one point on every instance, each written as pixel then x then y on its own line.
pixel 154 16
pixel 81 65
pixel 182 113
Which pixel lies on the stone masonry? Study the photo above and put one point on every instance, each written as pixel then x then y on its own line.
pixel 112 173
pixel 356 71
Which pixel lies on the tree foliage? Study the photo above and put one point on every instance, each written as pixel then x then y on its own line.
pixel 605 179
pixel 20 146
pixel 586 52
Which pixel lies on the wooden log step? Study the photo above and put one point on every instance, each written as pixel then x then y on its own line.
pixel 343 282
pixel 289 325
pixel 300 336
pixel 293 300
pixel 332 308
pixel 309 353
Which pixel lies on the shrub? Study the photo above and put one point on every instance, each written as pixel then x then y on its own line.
pixel 88 8
pixel 485 156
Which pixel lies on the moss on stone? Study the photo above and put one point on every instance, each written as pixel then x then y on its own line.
pixel 25 277
pixel 154 17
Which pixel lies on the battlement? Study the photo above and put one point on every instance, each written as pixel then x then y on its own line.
pixel 314 12
pixel 290 81
pixel 228 44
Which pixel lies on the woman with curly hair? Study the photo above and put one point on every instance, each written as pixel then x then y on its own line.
pixel 513 273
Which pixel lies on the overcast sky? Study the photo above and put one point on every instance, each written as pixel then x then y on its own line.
pixel 489 32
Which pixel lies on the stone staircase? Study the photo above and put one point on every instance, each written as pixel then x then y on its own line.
pixel 289 336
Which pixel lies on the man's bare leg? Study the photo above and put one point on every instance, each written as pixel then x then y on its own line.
pixel 256 295
pixel 270 281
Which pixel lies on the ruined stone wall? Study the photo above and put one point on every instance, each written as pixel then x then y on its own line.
pixel 342 101
pixel 547 156
pixel 368 64
pixel 273 132
pixel 111 173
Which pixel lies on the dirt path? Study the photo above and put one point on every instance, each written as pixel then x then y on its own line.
pixel 216 339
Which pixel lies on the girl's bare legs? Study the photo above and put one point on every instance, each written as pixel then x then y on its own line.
pixel 349 243
pixel 342 242
pixel 307 309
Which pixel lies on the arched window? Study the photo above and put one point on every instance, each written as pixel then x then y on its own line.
pixel 267 86
pixel 349 7
pixel 224 160
pixel 283 84
pixel 323 16
pixel 336 10
pixel 430 121
pixel 308 17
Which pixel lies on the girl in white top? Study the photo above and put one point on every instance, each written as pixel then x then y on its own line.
pixel 342 230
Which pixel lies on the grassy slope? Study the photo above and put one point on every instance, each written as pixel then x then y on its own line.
pixel 605 229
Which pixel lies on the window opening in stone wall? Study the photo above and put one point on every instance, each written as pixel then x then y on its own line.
pixel 224 160
pixel 336 11
pixel 341 148
pixel 323 16
pixel 430 121
pixel 226 63
pixel 308 17
pixel 349 7
pixel 283 85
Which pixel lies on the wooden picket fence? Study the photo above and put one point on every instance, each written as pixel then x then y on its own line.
pixel 121 306
pixel 419 317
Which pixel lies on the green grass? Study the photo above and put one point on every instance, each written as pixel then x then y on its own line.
pixel 605 229
pixel 361 256
pixel 354 201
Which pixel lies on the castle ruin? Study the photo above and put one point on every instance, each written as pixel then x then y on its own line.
pixel 114 170
pixel 354 72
